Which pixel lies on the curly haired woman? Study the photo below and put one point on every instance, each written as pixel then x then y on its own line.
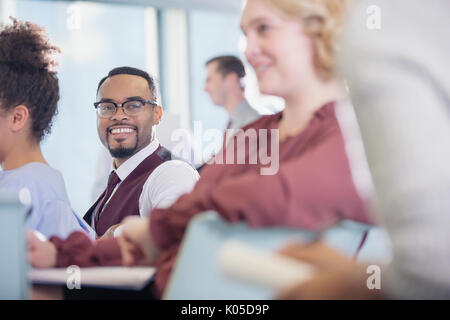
pixel 29 93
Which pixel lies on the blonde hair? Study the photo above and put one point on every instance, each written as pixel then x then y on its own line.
pixel 322 20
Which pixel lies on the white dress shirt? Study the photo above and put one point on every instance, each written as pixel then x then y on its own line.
pixel 164 185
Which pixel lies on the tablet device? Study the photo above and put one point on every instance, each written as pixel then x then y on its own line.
pixel 13 265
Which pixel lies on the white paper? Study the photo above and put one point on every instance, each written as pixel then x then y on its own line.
pixel 262 268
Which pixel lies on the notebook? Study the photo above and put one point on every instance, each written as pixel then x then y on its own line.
pixel 125 278
pixel 13 266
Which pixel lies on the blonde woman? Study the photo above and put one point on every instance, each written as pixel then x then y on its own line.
pixel 291 47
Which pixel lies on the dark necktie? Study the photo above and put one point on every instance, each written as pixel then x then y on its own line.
pixel 113 180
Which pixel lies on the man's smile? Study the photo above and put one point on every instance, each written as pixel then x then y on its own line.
pixel 121 132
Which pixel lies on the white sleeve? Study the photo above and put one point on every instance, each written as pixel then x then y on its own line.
pixel 166 184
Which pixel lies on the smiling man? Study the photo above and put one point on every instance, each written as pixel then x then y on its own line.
pixel 144 176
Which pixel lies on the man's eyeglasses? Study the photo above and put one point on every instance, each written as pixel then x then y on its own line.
pixel 107 109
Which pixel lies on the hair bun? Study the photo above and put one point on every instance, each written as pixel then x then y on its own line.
pixel 26 46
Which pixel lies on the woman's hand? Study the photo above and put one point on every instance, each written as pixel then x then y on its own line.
pixel 41 254
pixel 337 277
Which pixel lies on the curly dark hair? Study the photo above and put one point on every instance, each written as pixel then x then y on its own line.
pixel 27 74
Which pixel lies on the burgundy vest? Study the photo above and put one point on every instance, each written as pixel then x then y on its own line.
pixel 125 201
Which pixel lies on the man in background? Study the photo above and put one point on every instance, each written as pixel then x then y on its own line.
pixel 224 83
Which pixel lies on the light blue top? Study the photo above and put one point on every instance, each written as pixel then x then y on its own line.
pixel 43 188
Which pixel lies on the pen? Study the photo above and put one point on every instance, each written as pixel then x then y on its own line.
pixel 28 213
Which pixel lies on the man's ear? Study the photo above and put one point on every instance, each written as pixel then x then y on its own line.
pixel 158 114
pixel 19 117
pixel 231 79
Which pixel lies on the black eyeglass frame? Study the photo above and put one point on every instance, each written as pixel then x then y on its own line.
pixel 117 105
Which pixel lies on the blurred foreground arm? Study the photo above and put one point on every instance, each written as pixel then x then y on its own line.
pixel 337 277
pixel 400 87
pixel 78 249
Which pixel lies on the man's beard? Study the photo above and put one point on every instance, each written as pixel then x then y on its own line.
pixel 122 152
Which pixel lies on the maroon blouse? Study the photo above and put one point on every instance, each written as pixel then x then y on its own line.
pixel 312 188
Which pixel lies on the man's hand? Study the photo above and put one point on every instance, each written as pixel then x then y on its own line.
pixel 41 254
pixel 337 277
pixel 110 232
pixel 136 244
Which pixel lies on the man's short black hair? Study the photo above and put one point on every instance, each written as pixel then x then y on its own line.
pixel 134 72
pixel 228 64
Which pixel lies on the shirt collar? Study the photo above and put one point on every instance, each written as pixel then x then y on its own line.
pixel 238 110
pixel 128 166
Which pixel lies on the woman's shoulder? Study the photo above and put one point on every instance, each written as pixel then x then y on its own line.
pixel 265 121
pixel 35 176
pixel 37 171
